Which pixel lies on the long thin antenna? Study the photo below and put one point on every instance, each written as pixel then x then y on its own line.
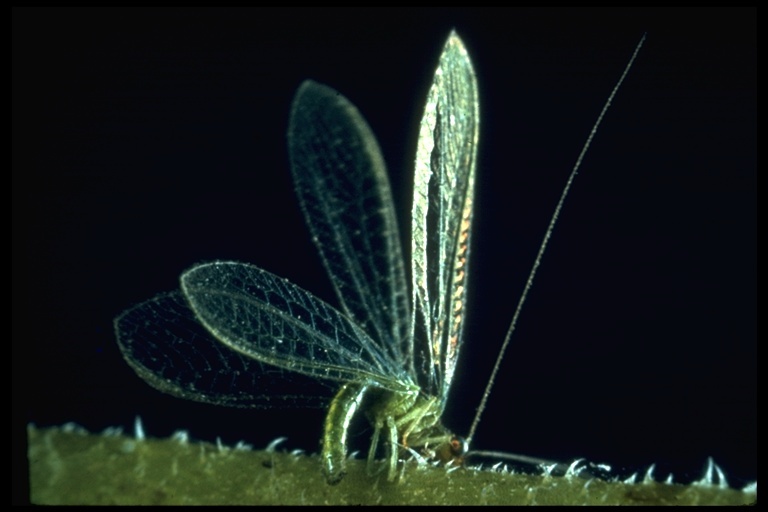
pixel 543 245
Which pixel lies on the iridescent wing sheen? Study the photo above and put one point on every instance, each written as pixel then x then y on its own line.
pixel 444 181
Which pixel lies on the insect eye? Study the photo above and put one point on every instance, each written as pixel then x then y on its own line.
pixel 458 446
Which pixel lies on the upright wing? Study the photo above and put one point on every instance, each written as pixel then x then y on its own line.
pixel 442 210
pixel 342 184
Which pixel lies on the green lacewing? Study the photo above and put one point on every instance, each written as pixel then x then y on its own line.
pixel 392 349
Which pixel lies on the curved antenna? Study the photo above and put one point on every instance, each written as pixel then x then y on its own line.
pixel 544 243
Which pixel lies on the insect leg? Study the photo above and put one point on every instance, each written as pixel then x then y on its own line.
pixel 334 452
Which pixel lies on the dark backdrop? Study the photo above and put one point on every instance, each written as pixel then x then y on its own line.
pixel 146 140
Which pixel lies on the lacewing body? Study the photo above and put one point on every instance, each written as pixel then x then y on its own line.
pixel 391 348
pixel 233 328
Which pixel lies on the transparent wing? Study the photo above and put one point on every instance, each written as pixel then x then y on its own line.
pixel 344 192
pixel 442 209
pixel 271 320
pixel 167 347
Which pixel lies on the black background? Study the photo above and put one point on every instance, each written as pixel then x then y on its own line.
pixel 146 140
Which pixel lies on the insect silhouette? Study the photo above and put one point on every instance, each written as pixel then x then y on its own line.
pixel 391 348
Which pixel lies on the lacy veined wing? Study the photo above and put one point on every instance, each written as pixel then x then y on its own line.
pixel 234 324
